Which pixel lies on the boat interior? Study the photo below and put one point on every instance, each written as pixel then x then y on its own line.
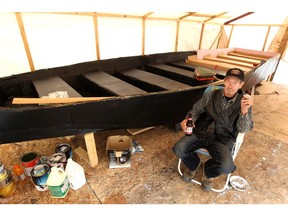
pixel 151 78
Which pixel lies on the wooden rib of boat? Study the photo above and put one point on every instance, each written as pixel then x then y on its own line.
pixel 126 92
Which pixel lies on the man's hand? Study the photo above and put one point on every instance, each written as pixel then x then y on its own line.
pixel 183 124
pixel 246 103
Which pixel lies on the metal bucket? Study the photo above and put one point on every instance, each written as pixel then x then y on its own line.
pixel 64 148
pixel 57 160
pixel 28 161
pixel 7 186
pixel 39 175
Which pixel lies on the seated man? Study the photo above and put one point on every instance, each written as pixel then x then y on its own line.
pixel 218 116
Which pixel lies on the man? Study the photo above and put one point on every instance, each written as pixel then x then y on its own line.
pixel 218 116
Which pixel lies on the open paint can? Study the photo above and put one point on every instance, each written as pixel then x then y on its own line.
pixel 28 161
pixel 39 175
pixel 7 186
pixel 57 160
pixel 64 148
pixel 3 172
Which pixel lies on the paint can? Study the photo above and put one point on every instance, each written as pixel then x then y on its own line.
pixel 7 186
pixel 28 161
pixel 57 160
pixel 3 172
pixel 64 148
pixel 39 175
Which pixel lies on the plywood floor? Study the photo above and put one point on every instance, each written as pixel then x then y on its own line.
pixel 153 177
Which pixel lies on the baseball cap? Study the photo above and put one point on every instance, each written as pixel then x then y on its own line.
pixel 236 72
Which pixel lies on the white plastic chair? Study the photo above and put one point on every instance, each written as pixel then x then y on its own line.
pixel 235 151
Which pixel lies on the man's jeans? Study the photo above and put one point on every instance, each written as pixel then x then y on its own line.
pixel 221 161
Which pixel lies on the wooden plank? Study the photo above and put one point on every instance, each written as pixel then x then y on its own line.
pixel 90 156
pixel 112 84
pixel 53 84
pixel 192 67
pixel 240 59
pixel 247 55
pixel 56 100
pixel 154 79
pixel 216 59
pixel 213 65
pixel 174 70
pixel 134 131
pixel 255 53
pixel 24 39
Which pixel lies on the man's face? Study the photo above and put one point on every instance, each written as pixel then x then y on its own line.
pixel 232 84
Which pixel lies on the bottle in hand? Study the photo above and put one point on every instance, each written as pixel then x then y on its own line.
pixel 189 125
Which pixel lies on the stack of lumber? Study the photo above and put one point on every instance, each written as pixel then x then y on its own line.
pixel 223 62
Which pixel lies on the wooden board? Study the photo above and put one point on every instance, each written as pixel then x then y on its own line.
pixel 53 84
pixel 113 84
pixel 236 63
pixel 134 131
pixel 186 66
pixel 90 156
pixel 213 64
pixel 240 59
pixel 174 70
pixel 56 100
pixel 252 54
pixel 246 56
pixel 154 79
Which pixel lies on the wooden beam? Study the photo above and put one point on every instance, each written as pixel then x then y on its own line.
pixel 148 14
pixel 187 15
pixel 25 41
pixel 177 35
pixel 267 35
pixel 201 36
pixel 233 62
pixel 217 37
pixel 237 18
pixel 246 56
pixel 144 31
pixel 240 59
pixel 230 36
pixel 56 100
pixel 90 156
pixel 221 35
pixel 214 17
pixel 96 30
pixel 257 55
pixel 213 65
pixel 263 25
pixel 281 50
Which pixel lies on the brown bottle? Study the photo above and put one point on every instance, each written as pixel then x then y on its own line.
pixel 189 125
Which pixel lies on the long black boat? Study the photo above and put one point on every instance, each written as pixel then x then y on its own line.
pixel 119 93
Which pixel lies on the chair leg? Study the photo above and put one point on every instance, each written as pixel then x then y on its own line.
pixel 226 186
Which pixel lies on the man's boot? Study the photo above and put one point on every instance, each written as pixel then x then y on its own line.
pixel 188 174
pixel 206 183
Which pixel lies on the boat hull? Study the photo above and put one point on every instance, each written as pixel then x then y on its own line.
pixel 156 106
pixel 121 113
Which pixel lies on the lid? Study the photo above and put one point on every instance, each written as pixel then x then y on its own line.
pixel 239 183
pixel 56 177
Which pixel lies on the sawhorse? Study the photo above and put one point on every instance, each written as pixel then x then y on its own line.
pixel 90 156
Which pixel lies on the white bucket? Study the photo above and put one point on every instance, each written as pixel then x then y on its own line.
pixel 75 174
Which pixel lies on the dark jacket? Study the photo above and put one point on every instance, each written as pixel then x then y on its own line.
pixel 217 124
